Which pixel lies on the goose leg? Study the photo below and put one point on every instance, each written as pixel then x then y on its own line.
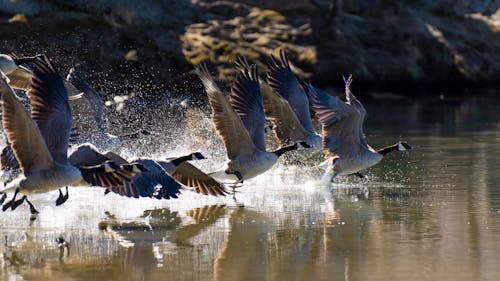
pixel 359 175
pixel 9 204
pixel 18 203
pixel 2 199
pixel 239 176
pixel 33 211
pixel 62 198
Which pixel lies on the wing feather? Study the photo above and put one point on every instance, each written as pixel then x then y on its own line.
pixel 246 99
pixel 22 133
pixel 20 78
pixel 50 108
pixel 282 79
pixel 191 176
pixel 287 126
pixel 226 121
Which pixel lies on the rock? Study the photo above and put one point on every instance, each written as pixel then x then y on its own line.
pixel 386 44
pixel 256 36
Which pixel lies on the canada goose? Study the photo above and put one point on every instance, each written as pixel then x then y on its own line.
pixel 180 170
pixel 89 113
pixel 344 144
pixel 40 142
pixel 87 155
pixel 288 105
pixel 19 76
pixel 240 123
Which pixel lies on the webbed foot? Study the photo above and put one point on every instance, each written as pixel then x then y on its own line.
pixel 62 198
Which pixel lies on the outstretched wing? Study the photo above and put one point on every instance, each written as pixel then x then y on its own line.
pixel 360 111
pixel 50 108
pixel 93 100
pixel 121 177
pixel 22 133
pixel 286 125
pixel 282 79
pixel 335 117
pixel 191 176
pixel 246 99
pixel 154 183
pixel 226 121
pixel 20 78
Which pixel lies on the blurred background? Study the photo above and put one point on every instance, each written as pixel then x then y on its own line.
pixel 413 48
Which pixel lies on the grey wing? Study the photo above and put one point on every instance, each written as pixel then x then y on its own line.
pixel 156 183
pixel 328 109
pixel 332 113
pixel 282 79
pixel 202 183
pixel 228 124
pixel 359 109
pixel 86 155
pixel 20 78
pixel 118 178
pixel 50 108
pixel 137 179
pixel 287 126
pixel 22 132
pixel 7 159
pixel 91 96
pixel 246 99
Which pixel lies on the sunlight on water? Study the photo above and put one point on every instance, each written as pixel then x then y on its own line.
pixel 420 215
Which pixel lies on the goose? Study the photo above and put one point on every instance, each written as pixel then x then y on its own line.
pixel 240 122
pixel 179 169
pixel 344 145
pixel 287 105
pixel 154 182
pixel 19 76
pixel 40 141
pixel 89 112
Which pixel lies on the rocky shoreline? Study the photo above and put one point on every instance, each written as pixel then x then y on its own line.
pixel 412 48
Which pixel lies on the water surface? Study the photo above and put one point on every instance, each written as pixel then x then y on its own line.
pixel 430 214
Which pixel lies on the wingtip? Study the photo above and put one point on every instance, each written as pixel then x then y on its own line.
pixel 347 81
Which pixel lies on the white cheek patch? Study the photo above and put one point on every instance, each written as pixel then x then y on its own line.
pixel 136 169
pixel 401 147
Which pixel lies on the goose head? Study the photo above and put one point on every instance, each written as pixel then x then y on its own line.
pixel 303 145
pixel 197 156
pixel 403 146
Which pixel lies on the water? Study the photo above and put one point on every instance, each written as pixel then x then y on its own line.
pixel 430 214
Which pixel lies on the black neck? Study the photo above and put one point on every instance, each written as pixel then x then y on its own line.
pixel 179 160
pixel 388 149
pixel 284 149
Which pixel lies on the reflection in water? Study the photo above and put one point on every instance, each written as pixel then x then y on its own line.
pixel 431 214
